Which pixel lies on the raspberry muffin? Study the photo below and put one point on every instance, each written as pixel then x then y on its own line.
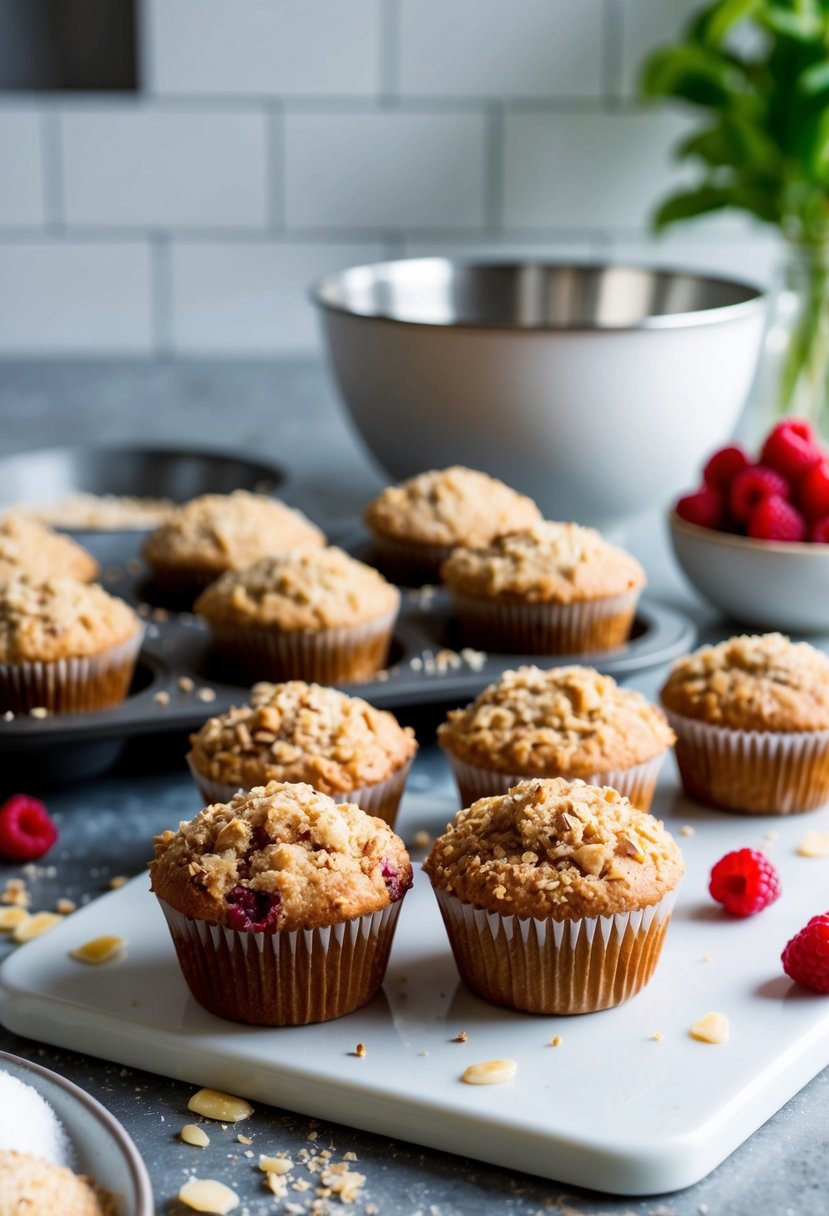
pixel 556 896
pixel 307 614
pixel 282 904
pixel 220 532
pixel 553 588
pixel 565 722
pixel 32 549
pixel 65 646
pixel 341 745
pixel 415 525
pixel 751 717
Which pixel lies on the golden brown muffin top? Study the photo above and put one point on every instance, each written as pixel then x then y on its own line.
pixel 547 563
pixel 568 721
pixel 280 857
pixel 31 548
pixel 556 848
pixel 220 532
pixel 300 589
pixel 454 506
pixel 31 1186
pixel 60 618
pixel 761 682
pixel 302 732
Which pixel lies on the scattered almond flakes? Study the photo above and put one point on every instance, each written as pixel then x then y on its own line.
pixel 814 844
pixel 16 893
pixel 556 1040
pixel 208 1195
pixel 341 1182
pixel 350 1157
pixel 275 1165
pixel 34 926
pixel 372 1209
pixel 422 840
pixel 65 906
pixel 707 958
pixel 206 694
pixel 197 1136
pixel 214 1104
pixel 301 1184
pixel 10 918
pixel 686 830
pixel 277 1185
pixel 162 698
pixel 39 711
pixel 120 880
pixel 244 1139
pixel 712 1028
pixel 657 1036
pixel 490 1072
pixel 99 950
pixel 463 1037
pixel 185 684
pixel 359 1051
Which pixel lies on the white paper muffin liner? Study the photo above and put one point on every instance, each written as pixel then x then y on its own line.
pixel 284 979
pixel 756 772
pixel 555 967
pixel 637 782
pixel 586 627
pixel 71 685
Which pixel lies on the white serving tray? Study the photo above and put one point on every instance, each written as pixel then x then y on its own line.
pixel 611 1108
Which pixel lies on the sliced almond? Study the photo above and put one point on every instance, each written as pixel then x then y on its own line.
pixel 814 844
pixel 490 1072
pixel 276 1165
pixel 10 918
pixel 34 926
pixel 213 1104
pixel 208 1195
pixel 192 1134
pixel 99 950
pixel 590 858
pixel 713 1028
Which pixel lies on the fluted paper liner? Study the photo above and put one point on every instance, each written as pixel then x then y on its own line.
pixel 637 782
pixel 586 627
pixel 408 562
pixel 72 685
pixel 555 967
pixel 381 799
pixel 284 979
pixel 756 772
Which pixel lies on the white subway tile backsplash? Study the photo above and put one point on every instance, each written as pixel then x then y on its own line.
pixel 137 166
pixel 755 259
pixel 384 170
pixel 585 170
pixel 21 196
pixel 252 299
pixel 75 298
pixel 285 47
pixel 507 249
pixel 647 24
pixel 486 48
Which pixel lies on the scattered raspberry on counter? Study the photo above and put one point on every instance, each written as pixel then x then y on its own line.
pixel 806 957
pixel 744 882
pixel 26 829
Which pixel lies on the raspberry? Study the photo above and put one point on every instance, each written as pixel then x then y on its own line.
pixel 791 448
pixel 806 956
pixel 776 519
pixel 250 911
pixel 395 885
pixel 744 882
pixel 26 830
pixel 751 486
pixel 724 466
pixel 705 507
pixel 813 491
pixel 819 531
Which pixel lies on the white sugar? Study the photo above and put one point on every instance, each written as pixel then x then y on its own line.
pixel 28 1123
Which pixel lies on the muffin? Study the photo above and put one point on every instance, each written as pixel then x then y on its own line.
pixel 220 532
pixel 65 646
pixel 566 722
pixel 340 745
pixel 556 896
pixel 553 588
pixel 30 1186
pixel 282 904
pixel 416 525
pixel 307 614
pixel 751 717
pixel 32 549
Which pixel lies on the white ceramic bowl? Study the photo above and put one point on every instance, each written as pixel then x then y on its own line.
pixel 760 583
pixel 595 389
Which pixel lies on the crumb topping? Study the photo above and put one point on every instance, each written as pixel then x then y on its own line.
pixel 302 732
pixel 31 1184
pixel 300 589
pixel 32 549
pixel 555 848
pixel 760 682
pixel 450 507
pixel 60 618
pixel 568 721
pixel 548 562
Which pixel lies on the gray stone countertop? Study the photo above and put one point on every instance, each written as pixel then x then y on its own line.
pixel 287 411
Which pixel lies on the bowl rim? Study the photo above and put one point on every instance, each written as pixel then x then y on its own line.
pixel 723 313
pixel 746 543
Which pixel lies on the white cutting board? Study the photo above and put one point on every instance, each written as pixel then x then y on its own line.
pixel 610 1108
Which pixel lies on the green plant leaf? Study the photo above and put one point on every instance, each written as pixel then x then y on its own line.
pixel 815 79
pixel 688 204
pixel 732 141
pixel 692 73
pixel 802 27
pixel 723 16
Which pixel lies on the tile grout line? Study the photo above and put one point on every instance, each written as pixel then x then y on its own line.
pixel 494 169
pixel 612 34
pixel 51 147
pixel 388 97
pixel 275 168
pixel 161 300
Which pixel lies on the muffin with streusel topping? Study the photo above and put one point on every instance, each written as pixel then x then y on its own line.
pixel 556 896
pixel 751 716
pixel 565 722
pixel 65 646
pixel 306 614
pixel 553 588
pixel 282 904
pixel 415 525
pixel 34 550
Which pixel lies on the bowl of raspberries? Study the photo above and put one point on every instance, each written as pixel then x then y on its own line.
pixel 753 538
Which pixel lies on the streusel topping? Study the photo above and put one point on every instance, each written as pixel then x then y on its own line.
pixel 761 682
pixel 307 860
pixel 30 548
pixel 556 848
pixel 548 562
pixel 450 507
pixel 29 1184
pixel 569 721
pixel 302 732
pixel 229 531
pixel 60 618
pixel 300 589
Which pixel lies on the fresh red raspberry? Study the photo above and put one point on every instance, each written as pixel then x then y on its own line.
pixel 705 507
pixel 819 531
pixel 724 466
pixel 791 448
pixel 744 882
pixel 806 956
pixel 26 830
pixel 775 519
pixel 751 486
pixel 813 491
